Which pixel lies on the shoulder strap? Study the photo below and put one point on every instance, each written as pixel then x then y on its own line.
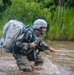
pixel 28 37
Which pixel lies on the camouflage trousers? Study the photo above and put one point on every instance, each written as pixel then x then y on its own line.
pixel 23 61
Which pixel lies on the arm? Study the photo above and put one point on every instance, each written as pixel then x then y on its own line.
pixel 26 45
pixel 20 44
pixel 51 49
pixel 46 47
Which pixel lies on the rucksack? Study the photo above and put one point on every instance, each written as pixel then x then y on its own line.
pixel 11 31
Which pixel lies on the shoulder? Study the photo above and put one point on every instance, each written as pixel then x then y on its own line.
pixel 28 33
pixel 20 37
pixel 28 30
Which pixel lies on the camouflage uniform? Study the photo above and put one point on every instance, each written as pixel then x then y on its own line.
pixel 25 51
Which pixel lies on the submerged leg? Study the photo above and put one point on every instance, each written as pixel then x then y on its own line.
pixel 23 63
pixel 39 60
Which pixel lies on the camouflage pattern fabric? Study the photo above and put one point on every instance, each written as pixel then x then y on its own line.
pixel 10 32
pixel 23 63
pixel 31 54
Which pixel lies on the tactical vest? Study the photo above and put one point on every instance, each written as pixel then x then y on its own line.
pixel 31 38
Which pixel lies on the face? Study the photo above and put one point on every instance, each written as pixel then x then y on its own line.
pixel 38 33
pixel 43 30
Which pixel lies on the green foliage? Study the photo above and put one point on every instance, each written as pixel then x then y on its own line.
pixel 27 11
pixel 1 6
pixel 69 3
pixel 60 18
pixel 46 3
pixel 62 24
pixel 3 21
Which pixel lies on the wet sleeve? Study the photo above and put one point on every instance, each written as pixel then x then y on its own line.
pixel 18 42
pixel 44 45
pixel 24 45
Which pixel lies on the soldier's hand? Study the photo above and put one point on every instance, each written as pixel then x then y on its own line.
pixel 33 45
pixel 51 49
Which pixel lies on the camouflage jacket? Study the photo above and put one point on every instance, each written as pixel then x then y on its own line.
pixel 30 36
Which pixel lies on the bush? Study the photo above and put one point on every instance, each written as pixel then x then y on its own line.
pixel 60 19
pixel 62 24
pixel 26 11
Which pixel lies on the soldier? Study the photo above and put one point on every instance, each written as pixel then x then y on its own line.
pixel 26 46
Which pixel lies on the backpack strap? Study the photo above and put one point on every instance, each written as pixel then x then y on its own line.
pixel 32 36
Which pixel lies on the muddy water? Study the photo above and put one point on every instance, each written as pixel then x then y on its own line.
pixel 61 62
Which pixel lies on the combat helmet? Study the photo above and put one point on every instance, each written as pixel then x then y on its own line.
pixel 39 23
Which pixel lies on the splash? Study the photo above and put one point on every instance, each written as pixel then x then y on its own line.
pixel 48 68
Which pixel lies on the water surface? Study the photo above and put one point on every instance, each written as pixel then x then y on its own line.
pixel 60 62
